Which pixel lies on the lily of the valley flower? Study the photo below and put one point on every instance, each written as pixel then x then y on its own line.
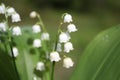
pixel 59 47
pixel 63 38
pixel 36 28
pixel 2 26
pixel 67 62
pixel 33 14
pixel 54 56
pixel 16 17
pixel 16 31
pixel 71 28
pixel 10 11
pixel 45 36
pixel 15 52
pixel 67 18
pixel 67 47
pixel 2 9
pixel 40 66
pixel 37 43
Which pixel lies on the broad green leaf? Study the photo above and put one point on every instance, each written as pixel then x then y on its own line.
pixel 101 59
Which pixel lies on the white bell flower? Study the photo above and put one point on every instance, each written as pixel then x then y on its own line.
pixel 67 47
pixel 10 11
pixel 54 56
pixel 71 28
pixel 15 17
pixel 59 47
pixel 15 52
pixel 36 28
pixel 33 14
pixel 40 66
pixel 63 38
pixel 2 9
pixel 2 26
pixel 67 62
pixel 45 36
pixel 16 31
pixel 67 18
pixel 37 43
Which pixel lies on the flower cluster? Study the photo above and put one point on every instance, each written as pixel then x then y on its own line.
pixel 64 40
pixel 4 27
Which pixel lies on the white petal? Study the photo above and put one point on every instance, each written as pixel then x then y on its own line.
pixel 67 62
pixel 45 36
pixel 40 66
pixel 54 56
pixel 16 17
pixel 33 14
pixel 68 47
pixel 16 31
pixel 71 28
pixel 2 26
pixel 37 43
pixel 15 52
pixel 10 11
pixel 63 38
pixel 36 28
pixel 67 18
pixel 2 9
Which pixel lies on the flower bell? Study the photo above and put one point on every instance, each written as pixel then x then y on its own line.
pixel 37 43
pixel 2 9
pixel 67 18
pixel 15 52
pixel 71 28
pixel 45 36
pixel 67 62
pixel 11 11
pixel 16 31
pixel 63 38
pixel 54 56
pixel 40 66
pixel 67 47
pixel 15 17
pixel 2 26
pixel 36 28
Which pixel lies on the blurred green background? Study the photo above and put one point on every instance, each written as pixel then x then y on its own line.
pixel 90 17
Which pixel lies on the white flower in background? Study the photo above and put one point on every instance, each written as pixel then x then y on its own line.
pixel 2 9
pixel 71 28
pixel 59 47
pixel 15 52
pixel 45 36
pixel 54 56
pixel 36 28
pixel 67 18
pixel 40 66
pixel 16 17
pixel 67 47
pixel 63 38
pixel 33 14
pixel 16 31
pixel 37 43
pixel 2 26
pixel 11 11
pixel 67 62
pixel 34 78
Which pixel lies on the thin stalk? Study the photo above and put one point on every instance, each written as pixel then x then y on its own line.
pixel 52 72
pixel 10 44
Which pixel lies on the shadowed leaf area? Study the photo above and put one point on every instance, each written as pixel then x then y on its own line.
pixel 101 59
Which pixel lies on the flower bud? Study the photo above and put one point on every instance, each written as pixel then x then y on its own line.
pixel 63 38
pixel 67 18
pixel 71 28
pixel 67 47
pixel 15 17
pixel 40 66
pixel 36 28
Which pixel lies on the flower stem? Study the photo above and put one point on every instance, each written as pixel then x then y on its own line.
pixel 52 71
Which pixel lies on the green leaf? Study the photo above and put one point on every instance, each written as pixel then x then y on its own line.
pixel 101 59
